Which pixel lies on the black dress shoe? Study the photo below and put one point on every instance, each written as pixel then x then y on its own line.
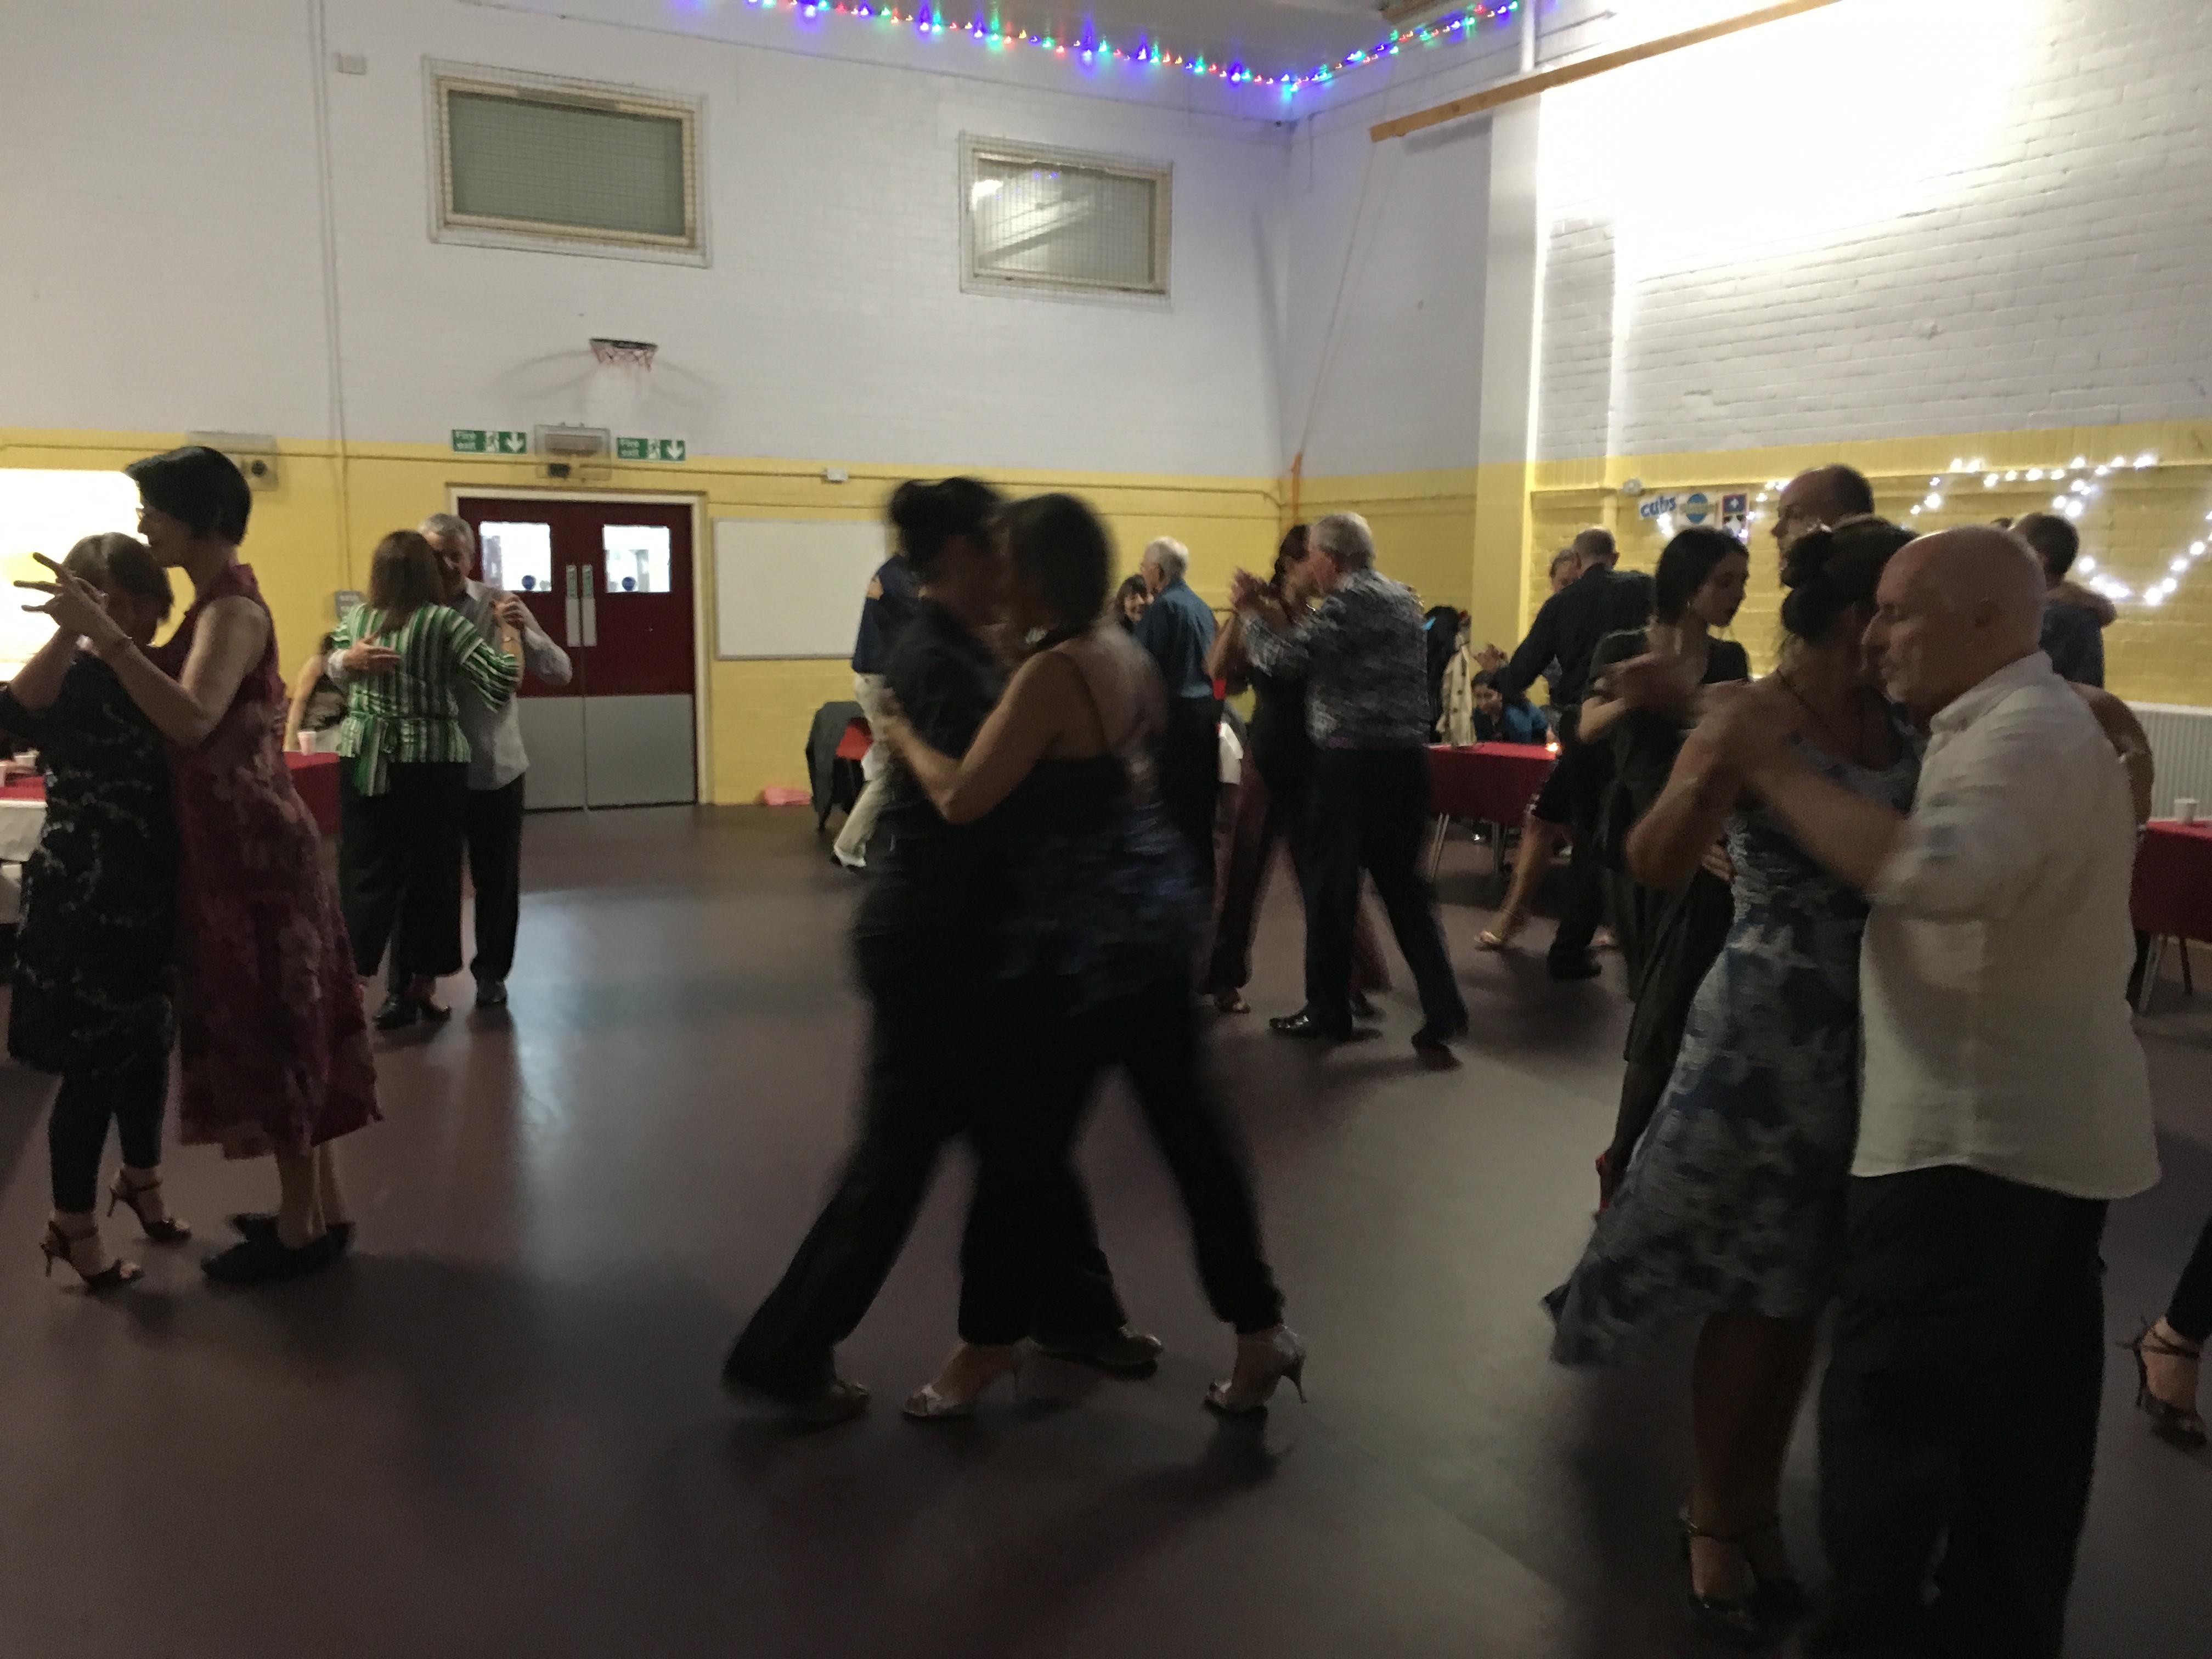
pixel 396 1013
pixel 1125 1352
pixel 1305 1028
pixel 1363 1008
pixel 262 1224
pixel 1436 1041
pixel 1584 964
pixel 265 1259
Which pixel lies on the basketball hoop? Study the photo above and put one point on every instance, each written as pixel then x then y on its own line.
pixel 629 353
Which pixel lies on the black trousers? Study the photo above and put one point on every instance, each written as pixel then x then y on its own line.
pixel 1582 771
pixel 1960 1414
pixel 1369 811
pixel 937 1064
pixel 132 1094
pixel 399 868
pixel 492 825
pixel 2191 1314
pixel 1190 776
pixel 1025 1234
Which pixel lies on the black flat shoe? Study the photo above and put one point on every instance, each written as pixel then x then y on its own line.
pixel 1305 1028
pixel 1363 1007
pixel 396 1013
pixel 1583 966
pixel 262 1224
pixel 435 1013
pixel 265 1259
pixel 1435 1042
pixel 1125 1352
pixel 835 1401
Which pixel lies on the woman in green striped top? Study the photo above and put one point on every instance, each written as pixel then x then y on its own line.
pixel 404 787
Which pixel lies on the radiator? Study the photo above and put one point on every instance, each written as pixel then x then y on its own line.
pixel 2181 744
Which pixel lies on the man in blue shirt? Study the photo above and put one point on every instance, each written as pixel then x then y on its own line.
pixel 882 613
pixel 1177 629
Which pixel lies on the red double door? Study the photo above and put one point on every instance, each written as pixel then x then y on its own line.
pixel 611 583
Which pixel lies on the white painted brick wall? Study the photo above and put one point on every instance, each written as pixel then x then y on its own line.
pixel 162 159
pixel 1885 219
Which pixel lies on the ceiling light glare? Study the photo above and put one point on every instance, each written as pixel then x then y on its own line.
pixel 2088 564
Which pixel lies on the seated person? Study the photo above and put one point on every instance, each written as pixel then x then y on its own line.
pixel 1496 719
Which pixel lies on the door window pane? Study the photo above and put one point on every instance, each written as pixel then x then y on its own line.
pixel 518 557
pixel 637 558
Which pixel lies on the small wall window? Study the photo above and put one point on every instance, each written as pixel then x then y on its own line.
pixel 1063 221
pixel 567 167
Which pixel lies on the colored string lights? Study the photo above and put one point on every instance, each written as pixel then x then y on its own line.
pixel 1089 47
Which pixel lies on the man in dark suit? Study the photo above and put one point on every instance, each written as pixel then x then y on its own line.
pixel 1601 600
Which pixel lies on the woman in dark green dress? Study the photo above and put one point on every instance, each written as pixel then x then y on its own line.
pixel 1668 939
pixel 94 952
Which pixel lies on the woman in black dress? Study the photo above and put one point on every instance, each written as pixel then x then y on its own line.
pixel 1271 807
pixel 92 955
pixel 1669 939
pixel 927 945
pixel 1097 951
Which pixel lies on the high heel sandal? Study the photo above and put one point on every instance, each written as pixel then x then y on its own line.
pixel 59 1246
pixel 1775 1602
pixel 1498 938
pixel 162 1229
pixel 1739 1621
pixel 1278 1356
pixel 2180 1425
pixel 928 1405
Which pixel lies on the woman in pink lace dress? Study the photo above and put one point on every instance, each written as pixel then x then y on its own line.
pixel 273 1040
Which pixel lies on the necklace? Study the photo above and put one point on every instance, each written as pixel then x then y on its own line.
pixel 1845 749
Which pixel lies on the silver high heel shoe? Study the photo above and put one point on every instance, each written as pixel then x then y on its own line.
pixel 1262 1360
pixel 928 1404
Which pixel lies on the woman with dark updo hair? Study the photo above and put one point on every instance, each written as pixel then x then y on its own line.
pixel 928 947
pixel 1732 1210
pixel 1668 937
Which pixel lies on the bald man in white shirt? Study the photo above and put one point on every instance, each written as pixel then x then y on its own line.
pixel 2003 1103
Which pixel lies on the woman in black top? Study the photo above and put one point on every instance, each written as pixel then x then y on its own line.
pixel 93 955
pixel 1271 804
pixel 926 943
pixel 1669 939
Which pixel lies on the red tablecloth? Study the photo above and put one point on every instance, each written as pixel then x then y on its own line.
pixel 2173 881
pixel 315 776
pixel 1492 783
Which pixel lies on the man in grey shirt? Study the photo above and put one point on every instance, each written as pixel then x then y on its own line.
pixel 496 761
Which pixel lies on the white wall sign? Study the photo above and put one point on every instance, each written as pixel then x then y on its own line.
pixel 790 588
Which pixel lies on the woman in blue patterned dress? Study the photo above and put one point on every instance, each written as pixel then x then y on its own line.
pixel 1732 1208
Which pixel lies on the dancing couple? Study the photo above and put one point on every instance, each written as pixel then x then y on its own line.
pixel 1032 927
pixel 178 885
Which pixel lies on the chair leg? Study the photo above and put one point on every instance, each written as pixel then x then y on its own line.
pixel 2151 965
pixel 1436 846
pixel 2188 979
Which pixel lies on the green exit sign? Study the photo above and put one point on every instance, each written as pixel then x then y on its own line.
pixel 649 449
pixel 483 441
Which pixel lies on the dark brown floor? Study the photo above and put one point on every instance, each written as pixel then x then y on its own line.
pixel 496 1431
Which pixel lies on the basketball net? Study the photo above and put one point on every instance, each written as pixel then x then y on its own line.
pixel 620 393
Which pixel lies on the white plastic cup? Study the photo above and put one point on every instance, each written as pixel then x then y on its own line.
pixel 2184 810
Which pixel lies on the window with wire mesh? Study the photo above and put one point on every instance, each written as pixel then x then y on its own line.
pixel 1059 220
pixel 612 171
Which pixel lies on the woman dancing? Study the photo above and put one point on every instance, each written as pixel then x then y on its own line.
pixel 405 791
pixel 93 953
pixel 1271 804
pixel 926 943
pixel 1100 943
pixel 274 1046
pixel 1668 938
pixel 1732 1209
